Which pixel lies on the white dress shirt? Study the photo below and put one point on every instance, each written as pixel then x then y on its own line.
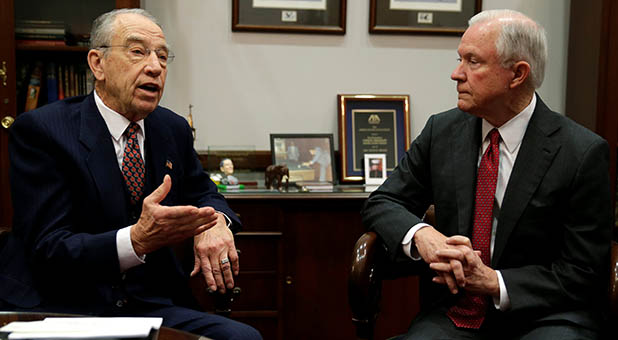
pixel 511 133
pixel 117 124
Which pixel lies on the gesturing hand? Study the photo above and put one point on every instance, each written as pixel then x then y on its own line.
pixel 216 256
pixel 159 225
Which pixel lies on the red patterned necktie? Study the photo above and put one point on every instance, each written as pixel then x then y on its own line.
pixel 133 165
pixel 469 312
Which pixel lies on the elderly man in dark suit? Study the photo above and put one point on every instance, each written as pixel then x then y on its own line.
pixel 521 194
pixel 104 184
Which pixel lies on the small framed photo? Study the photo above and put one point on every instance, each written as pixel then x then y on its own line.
pixel 375 168
pixel 371 124
pixel 448 17
pixel 289 16
pixel 309 157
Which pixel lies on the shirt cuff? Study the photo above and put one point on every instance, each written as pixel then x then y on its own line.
pixel 503 303
pixel 408 247
pixel 127 258
pixel 227 219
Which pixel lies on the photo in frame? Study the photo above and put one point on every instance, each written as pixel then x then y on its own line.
pixel 375 168
pixel 309 157
pixel 370 124
pixel 289 16
pixel 449 17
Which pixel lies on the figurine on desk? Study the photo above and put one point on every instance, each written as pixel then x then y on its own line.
pixel 227 168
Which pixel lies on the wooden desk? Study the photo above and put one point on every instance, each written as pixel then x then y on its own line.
pixel 165 333
pixel 294 266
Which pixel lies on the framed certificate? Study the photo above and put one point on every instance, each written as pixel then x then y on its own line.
pixel 289 16
pixel 372 124
pixel 421 16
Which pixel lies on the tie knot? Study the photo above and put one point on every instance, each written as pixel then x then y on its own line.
pixel 131 129
pixel 494 136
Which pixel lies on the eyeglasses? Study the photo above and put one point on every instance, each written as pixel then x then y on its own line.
pixel 138 53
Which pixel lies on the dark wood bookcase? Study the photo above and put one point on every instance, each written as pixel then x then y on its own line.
pixel 78 15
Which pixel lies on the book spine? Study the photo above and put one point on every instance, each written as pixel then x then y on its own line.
pixel 52 83
pixel 60 83
pixel 34 88
pixel 33 42
pixel 67 90
pixel 31 30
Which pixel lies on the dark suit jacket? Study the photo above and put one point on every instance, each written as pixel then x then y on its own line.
pixel 70 199
pixel 553 234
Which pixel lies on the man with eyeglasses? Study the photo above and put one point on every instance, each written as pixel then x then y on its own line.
pixel 104 185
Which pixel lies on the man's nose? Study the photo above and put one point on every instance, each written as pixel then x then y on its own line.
pixel 458 73
pixel 152 63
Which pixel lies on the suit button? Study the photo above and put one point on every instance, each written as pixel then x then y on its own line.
pixel 121 303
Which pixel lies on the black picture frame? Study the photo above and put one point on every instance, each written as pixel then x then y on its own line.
pixel 370 123
pixel 292 19
pixel 312 160
pixel 409 17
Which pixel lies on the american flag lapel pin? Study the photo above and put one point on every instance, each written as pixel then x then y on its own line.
pixel 168 164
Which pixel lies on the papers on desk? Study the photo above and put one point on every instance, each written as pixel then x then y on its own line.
pixel 81 328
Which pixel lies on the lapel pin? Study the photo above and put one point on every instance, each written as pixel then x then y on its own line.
pixel 168 165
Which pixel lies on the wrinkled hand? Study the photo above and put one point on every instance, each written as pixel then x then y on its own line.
pixel 428 242
pixel 159 225
pixel 479 278
pixel 209 248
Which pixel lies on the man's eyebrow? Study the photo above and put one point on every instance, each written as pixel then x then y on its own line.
pixel 141 40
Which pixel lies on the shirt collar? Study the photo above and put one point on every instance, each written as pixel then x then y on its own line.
pixel 116 123
pixel 512 132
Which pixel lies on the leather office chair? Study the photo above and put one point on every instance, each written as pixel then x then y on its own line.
pixel 369 268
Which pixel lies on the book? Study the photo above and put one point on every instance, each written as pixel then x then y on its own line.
pixel 315 186
pixel 52 83
pixel 42 43
pixel 21 83
pixel 34 87
pixel 60 82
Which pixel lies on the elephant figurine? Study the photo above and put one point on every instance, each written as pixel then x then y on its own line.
pixel 274 174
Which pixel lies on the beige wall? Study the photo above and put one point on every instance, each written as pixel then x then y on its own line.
pixel 244 86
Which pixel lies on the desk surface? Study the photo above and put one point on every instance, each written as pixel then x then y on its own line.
pixel 165 333
pixel 338 192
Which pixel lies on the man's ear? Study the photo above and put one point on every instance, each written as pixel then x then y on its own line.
pixel 95 61
pixel 521 72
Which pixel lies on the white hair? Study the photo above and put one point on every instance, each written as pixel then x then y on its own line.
pixel 103 26
pixel 520 39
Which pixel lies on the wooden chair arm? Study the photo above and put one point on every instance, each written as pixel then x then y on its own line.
pixel 365 284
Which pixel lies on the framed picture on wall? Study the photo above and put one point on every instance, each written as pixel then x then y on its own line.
pixel 289 16
pixel 371 124
pixel 421 16
pixel 309 157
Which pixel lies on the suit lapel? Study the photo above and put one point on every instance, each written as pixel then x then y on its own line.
pixel 537 151
pixel 158 147
pixel 101 161
pixel 465 143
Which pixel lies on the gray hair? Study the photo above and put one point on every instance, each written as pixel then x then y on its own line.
pixel 103 26
pixel 520 39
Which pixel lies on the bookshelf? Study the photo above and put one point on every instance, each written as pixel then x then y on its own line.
pixel 78 16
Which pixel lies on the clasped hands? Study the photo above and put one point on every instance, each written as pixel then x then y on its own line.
pixel 456 264
pixel 160 226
